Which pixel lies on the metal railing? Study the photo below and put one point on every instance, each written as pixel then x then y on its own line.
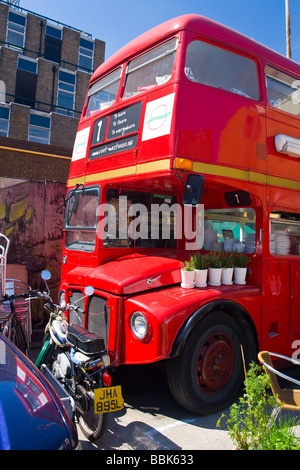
pixel 42 106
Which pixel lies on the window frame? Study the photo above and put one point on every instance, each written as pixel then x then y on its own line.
pixel 131 68
pixel 89 231
pixel 5 120
pixel 63 91
pixel 280 217
pixel 9 29
pixel 53 43
pixel 36 127
pixel 26 78
pixel 137 199
pixel 29 60
pixel 287 81
pixel 101 85
pixel 82 54
pixel 233 90
pixel 227 216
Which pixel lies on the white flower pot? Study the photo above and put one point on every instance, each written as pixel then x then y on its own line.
pixel 226 278
pixel 214 276
pixel 187 279
pixel 200 277
pixel 240 275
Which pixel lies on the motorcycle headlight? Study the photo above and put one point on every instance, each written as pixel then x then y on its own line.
pixel 139 325
pixel 62 298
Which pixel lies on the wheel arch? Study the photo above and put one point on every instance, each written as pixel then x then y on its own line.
pixel 229 307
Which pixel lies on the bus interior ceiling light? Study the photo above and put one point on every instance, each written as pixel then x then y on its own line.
pixel 287 145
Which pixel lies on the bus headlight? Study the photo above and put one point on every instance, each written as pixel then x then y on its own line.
pixel 139 325
pixel 62 298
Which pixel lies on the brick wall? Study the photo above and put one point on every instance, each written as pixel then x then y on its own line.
pixel 35 35
pixel 33 176
pixel 44 85
pixel 69 48
pixel 63 130
pixel 3 21
pixel 8 69
pixel 33 161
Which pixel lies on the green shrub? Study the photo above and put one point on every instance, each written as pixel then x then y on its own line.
pixel 199 261
pixel 215 259
pixel 251 425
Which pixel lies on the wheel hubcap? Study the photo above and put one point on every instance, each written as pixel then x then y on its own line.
pixel 215 363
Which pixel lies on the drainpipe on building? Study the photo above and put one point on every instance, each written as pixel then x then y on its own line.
pixel 54 69
pixel 42 24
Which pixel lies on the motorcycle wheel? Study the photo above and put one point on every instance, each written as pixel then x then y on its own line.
pixel 92 425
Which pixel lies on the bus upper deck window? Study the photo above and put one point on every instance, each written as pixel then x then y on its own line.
pixel 103 93
pixel 150 69
pixel 216 67
pixel 282 91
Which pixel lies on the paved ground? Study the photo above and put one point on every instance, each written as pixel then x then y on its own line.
pixel 152 420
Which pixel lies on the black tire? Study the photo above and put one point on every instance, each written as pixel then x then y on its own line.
pixel 207 376
pixel 92 425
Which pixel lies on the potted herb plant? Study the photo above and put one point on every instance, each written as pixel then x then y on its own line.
pixel 227 271
pixel 215 268
pixel 187 275
pixel 241 260
pixel 200 263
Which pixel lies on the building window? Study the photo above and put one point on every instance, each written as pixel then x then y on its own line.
pixel 66 92
pixel 86 54
pixel 4 120
pixel 53 40
pixel 39 128
pixel 16 26
pixel 26 81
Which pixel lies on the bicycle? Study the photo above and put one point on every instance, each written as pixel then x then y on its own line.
pixel 10 324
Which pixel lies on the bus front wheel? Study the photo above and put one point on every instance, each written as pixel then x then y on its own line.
pixel 207 375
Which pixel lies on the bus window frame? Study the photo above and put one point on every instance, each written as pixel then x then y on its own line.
pixel 91 229
pixel 283 221
pixel 90 95
pixel 233 50
pixel 122 190
pixel 150 49
pixel 287 73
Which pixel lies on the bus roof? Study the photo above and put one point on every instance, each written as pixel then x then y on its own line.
pixel 199 24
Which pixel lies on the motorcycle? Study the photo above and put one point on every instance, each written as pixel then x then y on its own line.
pixel 76 363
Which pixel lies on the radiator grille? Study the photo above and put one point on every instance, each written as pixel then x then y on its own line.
pixel 98 316
pixel 77 318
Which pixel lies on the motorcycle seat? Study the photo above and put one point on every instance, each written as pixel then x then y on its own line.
pixel 84 340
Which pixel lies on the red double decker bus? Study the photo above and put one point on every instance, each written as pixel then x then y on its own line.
pixel 189 115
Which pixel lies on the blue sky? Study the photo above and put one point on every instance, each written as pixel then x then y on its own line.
pixel 117 22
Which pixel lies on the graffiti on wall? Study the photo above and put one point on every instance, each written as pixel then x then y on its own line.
pixel 32 217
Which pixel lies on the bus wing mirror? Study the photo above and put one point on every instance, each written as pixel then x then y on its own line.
pixel 193 189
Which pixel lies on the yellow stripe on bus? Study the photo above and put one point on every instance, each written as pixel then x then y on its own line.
pixel 189 165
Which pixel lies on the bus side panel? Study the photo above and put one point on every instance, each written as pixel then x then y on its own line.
pixel 275 306
pixel 215 126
